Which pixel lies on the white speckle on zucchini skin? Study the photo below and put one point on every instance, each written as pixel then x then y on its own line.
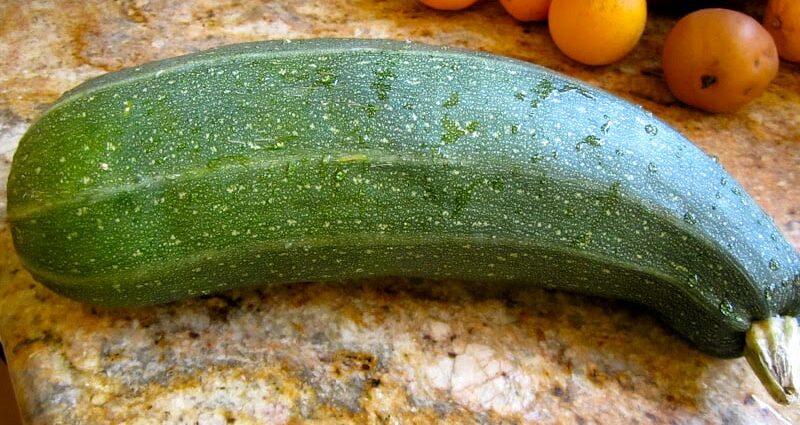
pixel 296 153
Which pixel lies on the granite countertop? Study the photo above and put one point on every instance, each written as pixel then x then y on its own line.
pixel 384 351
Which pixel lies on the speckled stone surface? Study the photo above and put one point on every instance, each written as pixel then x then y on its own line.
pixel 389 351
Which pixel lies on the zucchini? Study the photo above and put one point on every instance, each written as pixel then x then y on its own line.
pixel 284 161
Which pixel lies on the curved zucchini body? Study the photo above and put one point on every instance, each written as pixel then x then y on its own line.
pixel 328 159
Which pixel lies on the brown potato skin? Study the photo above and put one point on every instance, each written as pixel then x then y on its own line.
pixel 782 20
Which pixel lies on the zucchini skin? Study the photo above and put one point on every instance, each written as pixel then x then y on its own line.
pixel 272 162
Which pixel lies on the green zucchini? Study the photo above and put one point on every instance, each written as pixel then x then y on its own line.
pixel 293 161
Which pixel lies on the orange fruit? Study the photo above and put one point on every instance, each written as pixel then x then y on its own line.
pixel 527 10
pixel 597 32
pixel 448 4
pixel 782 20
pixel 718 59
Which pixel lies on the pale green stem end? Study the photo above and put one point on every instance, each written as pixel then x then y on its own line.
pixel 773 351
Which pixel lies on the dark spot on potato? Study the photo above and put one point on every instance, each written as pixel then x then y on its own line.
pixel 707 81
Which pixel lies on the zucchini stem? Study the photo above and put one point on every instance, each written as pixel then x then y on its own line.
pixel 773 350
